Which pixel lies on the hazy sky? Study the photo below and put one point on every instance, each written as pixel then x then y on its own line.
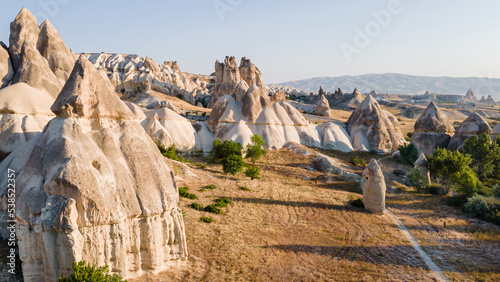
pixel 286 39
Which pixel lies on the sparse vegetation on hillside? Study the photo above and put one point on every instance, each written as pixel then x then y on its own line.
pixel 408 154
pixel 83 272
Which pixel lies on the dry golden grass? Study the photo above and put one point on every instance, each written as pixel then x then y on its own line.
pixel 287 228
pixel 181 104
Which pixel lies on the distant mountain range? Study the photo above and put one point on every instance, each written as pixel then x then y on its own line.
pixel 395 83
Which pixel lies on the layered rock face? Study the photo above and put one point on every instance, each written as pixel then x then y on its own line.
pixel 242 112
pixel 432 130
pixel 94 187
pixel 371 128
pixel 374 188
pixel 6 69
pixel 132 75
pixel 473 125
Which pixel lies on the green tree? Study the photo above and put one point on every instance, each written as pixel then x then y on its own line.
pixel 452 168
pixel 83 273
pixel 232 164
pixel 416 179
pixel 408 154
pixel 222 149
pixel 485 155
pixel 255 151
pixel 252 172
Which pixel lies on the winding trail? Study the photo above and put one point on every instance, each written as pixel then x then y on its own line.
pixel 436 271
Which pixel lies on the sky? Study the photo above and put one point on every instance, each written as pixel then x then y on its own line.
pixel 287 39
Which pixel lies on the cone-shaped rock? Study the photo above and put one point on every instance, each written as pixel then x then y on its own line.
pixel 421 165
pixel 93 191
pixel 33 70
pixel 88 94
pixel 323 107
pixel 470 97
pixel 53 49
pixel 227 76
pixel 371 128
pixel 23 29
pixel 473 125
pixel 432 130
pixel 374 188
pixel 250 73
pixel 490 99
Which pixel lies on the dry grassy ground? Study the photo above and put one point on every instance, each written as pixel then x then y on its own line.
pixel 287 228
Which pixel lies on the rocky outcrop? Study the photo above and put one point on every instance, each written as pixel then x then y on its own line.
pixel 23 29
pixel 250 73
pixel 323 107
pixel 495 131
pixel 24 111
pixel 473 125
pixel 278 97
pixel 371 128
pixel 470 97
pixel 33 70
pixel 93 187
pixel 134 77
pixel 6 69
pixel 61 60
pixel 374 188
pixel 482 99
pixel 421 165
pixel 432 130
pixel 490 99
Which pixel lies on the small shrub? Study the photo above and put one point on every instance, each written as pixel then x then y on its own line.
pixel 254 151
pixel 232 164
pixel 244 188
pixel 180 96
pixel 409 134
pixel 196 206
pixel 87 272
pixel 408 154
pixel 357 203
pixel 222 202
pixel 456 201
pixel 183 192
pixel 253 172
pixel 192 197
pixel 416 179
pixel 210 186
pixel 356 161
pixel 482 207
pixel 207 219
pixel 437 189
pixel 203 114
pixel 212 209
pixel 496 191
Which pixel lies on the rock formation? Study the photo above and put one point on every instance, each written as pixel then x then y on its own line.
pixel 482 99
pixel 278 97
pixel 321 91
pixel 250 73
pixel 371 128
pixel 421 165
pixel 470 97
pixel 61 60
pixel 239 114
pixel 374 188
pixel 323 107
pixel 23 29
pixel 490 99
pixel 495 132
pixel 338 92
pixel 432 130
pixel 93 186
pixel 473 125
pixel 6 69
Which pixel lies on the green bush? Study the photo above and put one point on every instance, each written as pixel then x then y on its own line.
pixel 196 206
pixel 482 207
pixel 224 149
pixel 408 154
pixel 399 172
pixel 456 201
pixel 212 209
pixel 192 197
pixel 496 191
pixel 232 164
pixel 210 186
pixel 437 189
pixel 356 161
pixel 83 272
pixel 183 192
pixel 485 156
pixel 244 188
pixel 252 172
pixel 203 114
pixel 417 180
pixel 169 153
pixel 222 202
pixel 357 203
pixel 207 219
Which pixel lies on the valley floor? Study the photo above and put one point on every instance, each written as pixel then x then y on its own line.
pixel 290 227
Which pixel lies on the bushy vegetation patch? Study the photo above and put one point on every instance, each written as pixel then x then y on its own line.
pixel 83 272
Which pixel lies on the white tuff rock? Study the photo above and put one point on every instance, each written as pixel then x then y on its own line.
pixel 374 188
